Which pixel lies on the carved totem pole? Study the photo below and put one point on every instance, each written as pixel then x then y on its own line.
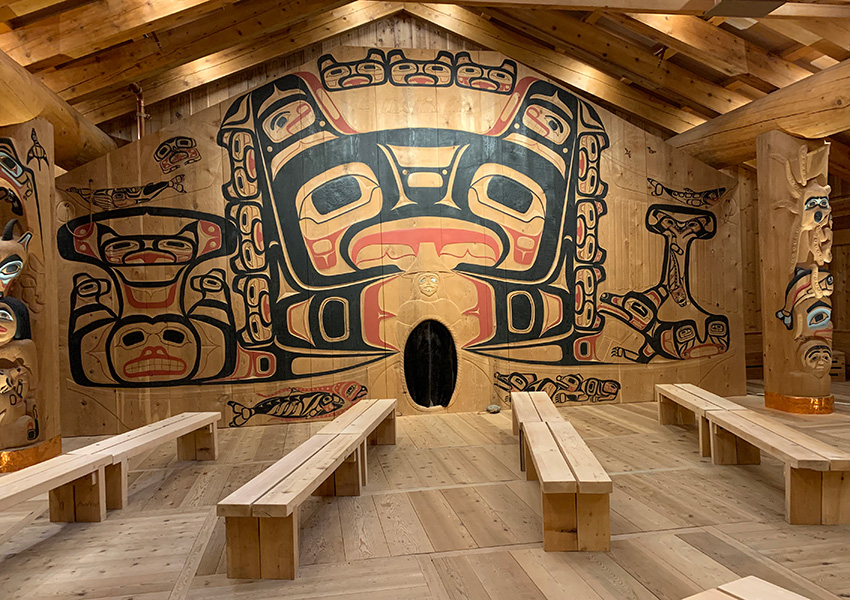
pixel 29 428
pixel 795 240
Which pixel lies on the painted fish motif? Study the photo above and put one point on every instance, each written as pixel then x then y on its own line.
pixel 687 196
pixel 296 403
pixel 124 197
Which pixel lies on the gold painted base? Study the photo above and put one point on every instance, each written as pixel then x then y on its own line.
pixel 803 405
pixel 20 458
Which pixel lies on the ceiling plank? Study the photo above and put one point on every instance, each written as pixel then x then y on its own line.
pixel 581 77
pixel 242 56
pixel 118 67
pixel 23 97
pixel 609 53
pixel 719 49
pixel 815 107
pixel 91 27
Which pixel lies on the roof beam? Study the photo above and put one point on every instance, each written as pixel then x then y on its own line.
pixel 815 107
pixel 834 9
pixel 607 52
pixel 583 78
pixel 719 49
pixel 91 27
pixel 23 97
pixel 242 56
pixel 117 67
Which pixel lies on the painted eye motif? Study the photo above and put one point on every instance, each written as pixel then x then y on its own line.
pixel 133 338
pixel 11 268
pixel 819 317
pixel 288 120
pixel 10 165
pixel 173 337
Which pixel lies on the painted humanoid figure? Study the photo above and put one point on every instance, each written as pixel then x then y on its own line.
pixel 18 360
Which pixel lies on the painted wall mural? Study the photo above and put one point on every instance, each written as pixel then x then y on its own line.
pixel 28 326
pixel 279 249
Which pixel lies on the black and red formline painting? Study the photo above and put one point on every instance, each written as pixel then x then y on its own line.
pixel 439 227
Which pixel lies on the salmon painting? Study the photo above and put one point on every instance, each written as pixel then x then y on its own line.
pixel 296 403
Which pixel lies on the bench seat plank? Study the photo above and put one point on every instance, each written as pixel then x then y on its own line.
pixel 545 407
pixel 838 459
pixel 24 484
pixel 238 504
pixel 552 469
pixel 589 473
pixel 346 418
pixel 774 444
pixel 139 440
pixel 694 403
pixel 753 588
pixel 714 399
pixel 373 411
pixel 524 408
pixel 291 491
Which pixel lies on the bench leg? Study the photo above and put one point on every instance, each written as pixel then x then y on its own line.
pixel 522 450
pixel 347 476
pixel 384 434
pixel 83 500
pixel 530 470
pixel 836 498
pixel 279 547
pixel 803 496
pixel 201 444
pixel 364 467
pixel 684 416
pixel 242 539
pixel 704 438
pixel 514 422
pixel 116 485
pixel 559 523
pixel 666 410
pixel 262 548
pixel 593 519
pixel 729 449
pixel 328 487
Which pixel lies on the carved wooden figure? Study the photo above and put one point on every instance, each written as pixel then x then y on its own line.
pixel 29 395
pixel 795 219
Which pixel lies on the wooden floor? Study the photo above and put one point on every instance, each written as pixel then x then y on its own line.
pixel 446 515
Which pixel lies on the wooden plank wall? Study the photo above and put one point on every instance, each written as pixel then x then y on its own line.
pixel 642 214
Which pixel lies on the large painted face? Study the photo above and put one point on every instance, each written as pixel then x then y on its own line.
pixel 154 349
pixel 352 207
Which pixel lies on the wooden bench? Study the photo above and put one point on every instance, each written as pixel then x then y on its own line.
pixel 261 517
pixel 682 403
pixel 575 488
pixel 817 475
pixel 83 483
pixel 748 588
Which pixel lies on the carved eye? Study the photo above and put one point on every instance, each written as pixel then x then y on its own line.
pixel 819 317
pixel 5 315
pixel 11 268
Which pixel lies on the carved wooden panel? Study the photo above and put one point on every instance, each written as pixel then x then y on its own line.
pixel 271 256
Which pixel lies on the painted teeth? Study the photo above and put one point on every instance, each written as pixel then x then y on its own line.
pixel 157 364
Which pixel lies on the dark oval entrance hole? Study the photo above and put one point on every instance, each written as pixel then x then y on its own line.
pixel 430 364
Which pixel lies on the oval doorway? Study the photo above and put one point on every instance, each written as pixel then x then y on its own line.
pixel 430 364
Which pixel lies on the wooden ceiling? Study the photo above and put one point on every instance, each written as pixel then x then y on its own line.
pixel 673 64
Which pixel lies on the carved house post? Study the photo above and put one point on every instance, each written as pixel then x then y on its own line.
pixel 795 242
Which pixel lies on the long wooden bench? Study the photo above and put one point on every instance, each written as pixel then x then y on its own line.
pixel 83 483
pixel 261 517
pixel 574 486
pixel 817 475
pixel 683 403
pixel 748 588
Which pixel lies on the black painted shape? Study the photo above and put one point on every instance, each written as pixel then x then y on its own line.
pixel 430 364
